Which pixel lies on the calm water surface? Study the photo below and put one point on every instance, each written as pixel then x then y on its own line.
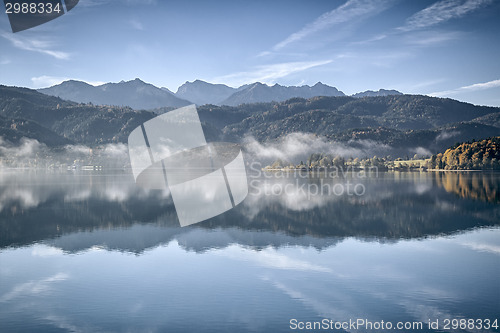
pixel 91 252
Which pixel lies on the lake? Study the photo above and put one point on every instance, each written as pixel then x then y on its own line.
pixel 92 252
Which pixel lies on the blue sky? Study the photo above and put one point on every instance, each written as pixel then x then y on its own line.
pixel 446 48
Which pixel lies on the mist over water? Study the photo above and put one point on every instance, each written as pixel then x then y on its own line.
pixel 293 147
pixel 296 147
pixel 30 153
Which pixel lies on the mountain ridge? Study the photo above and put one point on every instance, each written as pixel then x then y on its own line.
pixel 138 94
pixel 262 93
pixel 201 92
pixel 380 92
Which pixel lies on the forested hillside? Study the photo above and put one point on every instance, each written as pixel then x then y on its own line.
pixel 401 121
pixel 476 155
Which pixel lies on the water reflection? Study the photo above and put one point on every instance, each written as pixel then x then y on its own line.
pixel 94 253
pixel 61 208
pixel 474 185
pixel 239 289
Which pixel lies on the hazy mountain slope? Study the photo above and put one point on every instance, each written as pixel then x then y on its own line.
pixel 135 94
pixel 221 116
pixel 201 92
pixel 332 115
pixel 320 122
pixel 76 91
pixel 492 119
pixel 434 140
pixel 419 112
pixel 24 98
pixel 259 92
pixel 13 130
pixel 77 122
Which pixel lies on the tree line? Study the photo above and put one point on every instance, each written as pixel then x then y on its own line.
pixel 472 155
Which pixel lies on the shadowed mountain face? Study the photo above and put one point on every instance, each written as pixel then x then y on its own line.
pixel 399 121
pixel 201 92
pixel 135 94
pixel 405 112
pixel 15 130
pixel 259 93
pixel 111 211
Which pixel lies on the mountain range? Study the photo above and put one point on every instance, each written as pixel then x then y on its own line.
pixel 398 121
pixel 262 93
pixel 141 95
pixel 135 94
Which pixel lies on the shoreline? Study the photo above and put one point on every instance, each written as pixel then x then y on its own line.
pixel 372 170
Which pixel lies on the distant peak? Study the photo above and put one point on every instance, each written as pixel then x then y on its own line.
pixel 72 82
pixel 134 82
pixel 196 82
pixel 380 92
pixel 137 80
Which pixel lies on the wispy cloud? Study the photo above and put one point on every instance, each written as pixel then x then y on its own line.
pixel 136 25
pixel 438 12
pixel 472 87
pixel 442 11
pixel 35 45
pixel 371 40
pixel 268 73
pixel 272 258
pixel 33 288
pixel 491 248
pixel 352 9
pixel 47 81
pixel 431 38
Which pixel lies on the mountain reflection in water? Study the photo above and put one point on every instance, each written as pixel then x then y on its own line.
pixel 92 252
pixel 41 206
